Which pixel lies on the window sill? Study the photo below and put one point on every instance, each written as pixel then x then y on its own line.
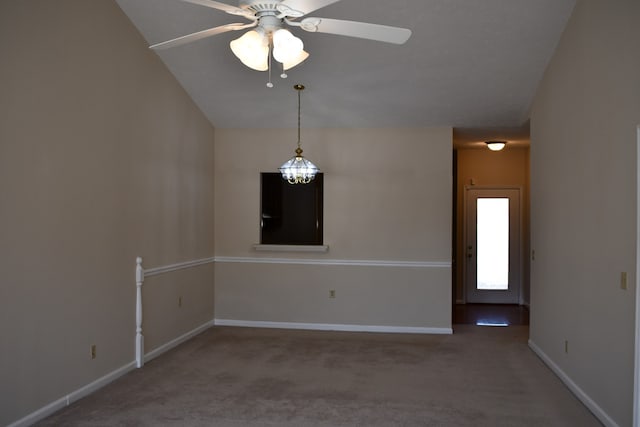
pixel 291 248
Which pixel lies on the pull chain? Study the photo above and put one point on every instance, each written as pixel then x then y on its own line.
pixel 269 84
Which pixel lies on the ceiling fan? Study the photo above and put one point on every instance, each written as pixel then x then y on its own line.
pixel 269 35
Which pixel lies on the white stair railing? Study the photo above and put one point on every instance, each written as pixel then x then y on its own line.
pixel 141 273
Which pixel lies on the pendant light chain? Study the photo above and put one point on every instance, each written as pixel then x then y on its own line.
pixel 299 88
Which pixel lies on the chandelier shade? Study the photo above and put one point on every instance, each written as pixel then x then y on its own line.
pixel 298 170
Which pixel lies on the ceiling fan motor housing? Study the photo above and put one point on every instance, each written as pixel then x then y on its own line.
pixel 273 7
pixel 266 12
pixel 257 6
pixel 270 23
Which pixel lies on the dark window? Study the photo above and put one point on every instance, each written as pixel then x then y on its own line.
pixel 291 213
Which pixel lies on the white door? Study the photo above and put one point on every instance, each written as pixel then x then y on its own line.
pixel 492 245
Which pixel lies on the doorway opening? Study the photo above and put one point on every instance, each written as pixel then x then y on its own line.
pixel 491 221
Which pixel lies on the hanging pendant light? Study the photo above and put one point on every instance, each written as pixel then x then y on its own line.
pixel 298 170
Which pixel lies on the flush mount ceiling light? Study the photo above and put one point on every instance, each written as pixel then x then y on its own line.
pixel 270 39
pixel 298 170
pixel 496 145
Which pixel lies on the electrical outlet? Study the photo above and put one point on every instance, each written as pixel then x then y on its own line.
pixel 566 346
pixel 93 351
pixel 179 301
pixel 332 293
pixel 623 280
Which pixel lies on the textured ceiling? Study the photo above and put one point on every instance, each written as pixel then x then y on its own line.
pixel 470 64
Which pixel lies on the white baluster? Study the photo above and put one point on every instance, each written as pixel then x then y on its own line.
pixel 139 336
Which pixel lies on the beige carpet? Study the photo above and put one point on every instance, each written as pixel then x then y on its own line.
pixel 479 376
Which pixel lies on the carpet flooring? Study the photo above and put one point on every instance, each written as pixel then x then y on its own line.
pixel 231 377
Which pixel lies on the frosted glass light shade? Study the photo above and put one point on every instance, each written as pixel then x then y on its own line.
pixel 495 145
pixel 295 61
pixel 286 47
pixel 252 48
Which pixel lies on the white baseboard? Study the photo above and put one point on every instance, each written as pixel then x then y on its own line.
pixel 575 389
pixel 332 327
pixel 175 342
pixel 67 400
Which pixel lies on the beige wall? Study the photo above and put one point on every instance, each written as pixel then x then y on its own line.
pixel 509 167
pixel 583 199
pixel 387 197
pixel 103 158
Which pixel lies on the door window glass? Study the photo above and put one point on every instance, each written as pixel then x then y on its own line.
pixel 493 244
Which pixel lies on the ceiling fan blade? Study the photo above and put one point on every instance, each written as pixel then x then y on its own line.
pixel 298 8
pixel 200 35
pixel 233 10
pixel 362 30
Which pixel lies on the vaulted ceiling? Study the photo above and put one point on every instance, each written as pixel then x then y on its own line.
pixel 471 64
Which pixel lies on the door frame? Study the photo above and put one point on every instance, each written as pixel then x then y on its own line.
pixel 636 385
pixel 465 235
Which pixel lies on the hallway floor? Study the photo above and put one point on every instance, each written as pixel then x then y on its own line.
pixel 490 314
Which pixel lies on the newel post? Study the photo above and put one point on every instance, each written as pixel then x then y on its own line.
pixel 139 336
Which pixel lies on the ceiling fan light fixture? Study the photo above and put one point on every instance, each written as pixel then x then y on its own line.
pixel 269 40
pixel 252 48
pixel 495 145
pixel 286 47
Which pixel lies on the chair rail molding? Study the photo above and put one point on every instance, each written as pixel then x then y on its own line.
pixel 348 262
